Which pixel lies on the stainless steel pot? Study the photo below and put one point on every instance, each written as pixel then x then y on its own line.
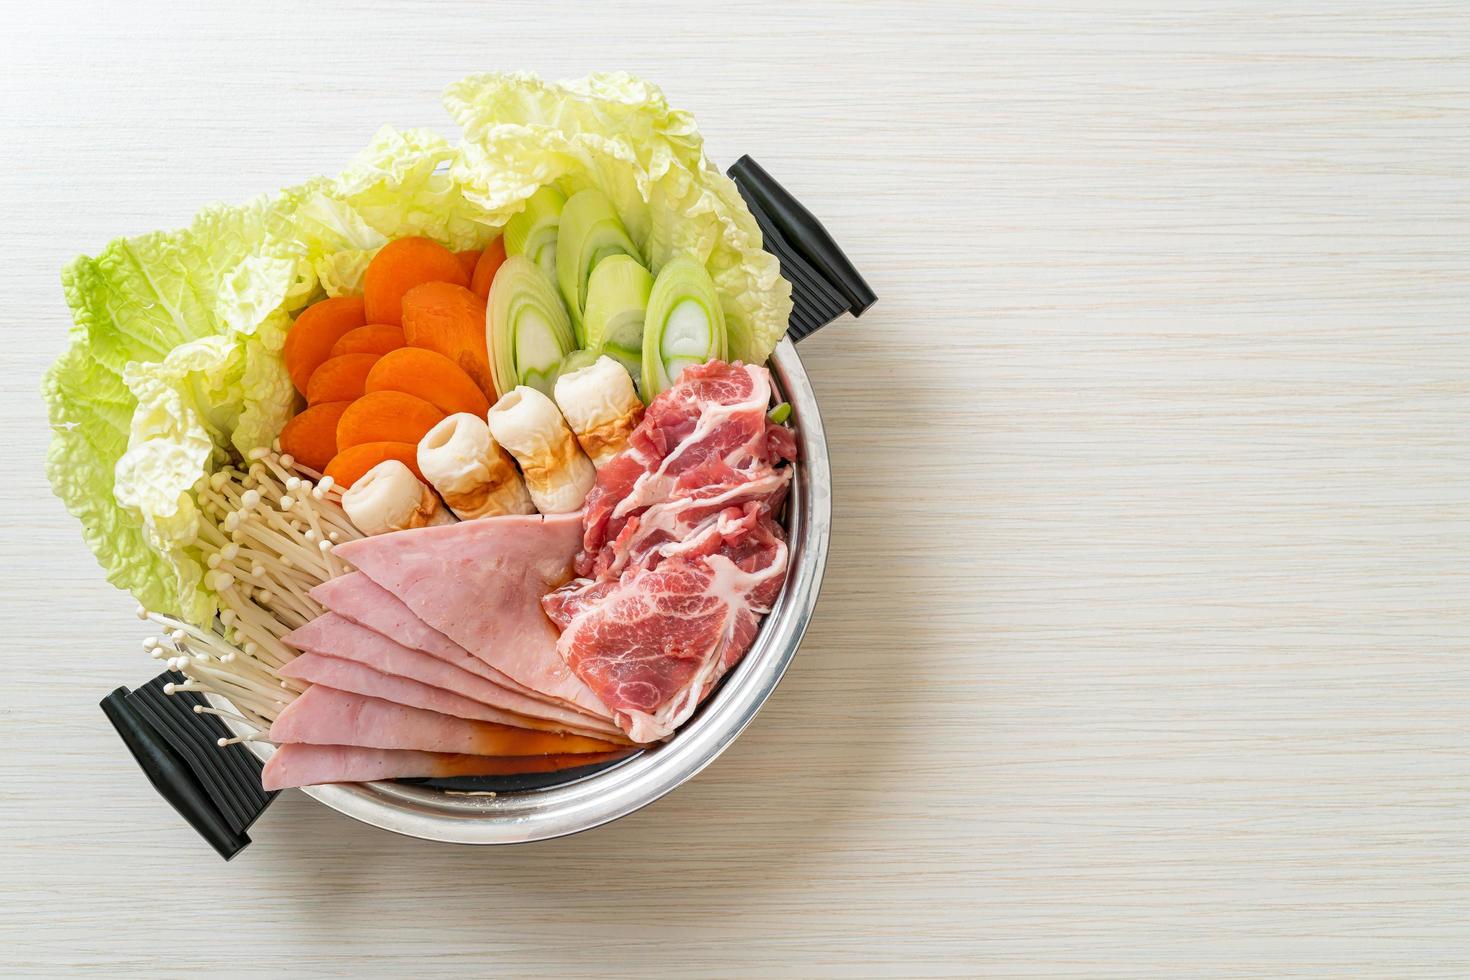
pixel 513 818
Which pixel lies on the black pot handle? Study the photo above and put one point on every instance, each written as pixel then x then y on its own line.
pixel 825 284
pixel 216 789
pixel 171 776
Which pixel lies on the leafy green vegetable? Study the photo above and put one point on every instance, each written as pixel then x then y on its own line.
pixel 174 360
pixel 617 299
pixel 684 325
pixel 533 232
pixel 528 327
pixel 618 134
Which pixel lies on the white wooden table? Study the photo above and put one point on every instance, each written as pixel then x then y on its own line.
pixel 1145 642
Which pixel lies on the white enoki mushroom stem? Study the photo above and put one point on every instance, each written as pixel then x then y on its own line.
pixel 243 714
pixel 244 694
pixel 248 737
pixel 201 709
pixel 240 662
pixel 267 538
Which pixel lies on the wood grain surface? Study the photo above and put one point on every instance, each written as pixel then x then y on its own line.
pixel 1143 646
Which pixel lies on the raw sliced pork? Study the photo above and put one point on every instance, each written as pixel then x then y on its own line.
pixel 704 445
pixel 300 764
pixel 653 643
pixel 681 551
pixel 480 584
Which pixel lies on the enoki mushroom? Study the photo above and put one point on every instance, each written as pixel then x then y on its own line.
pixel 268 536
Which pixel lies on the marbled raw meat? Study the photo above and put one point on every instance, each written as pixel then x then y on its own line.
pixel 682 555
pixel 703 445
pixel 653 643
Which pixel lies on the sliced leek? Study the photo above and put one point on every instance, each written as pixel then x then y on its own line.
pixel 533 232
pixel 527 327
pixel 684 325
pixel 576 361
pixel 590 232
pixel 617 299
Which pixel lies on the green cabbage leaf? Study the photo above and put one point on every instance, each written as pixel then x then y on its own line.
pixel 173 364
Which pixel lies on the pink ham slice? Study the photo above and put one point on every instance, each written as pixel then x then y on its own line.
pixel 356 597
pixel 355 678
pixel 299 764
pixel 341 639
pixel 480 583
pixel 325 716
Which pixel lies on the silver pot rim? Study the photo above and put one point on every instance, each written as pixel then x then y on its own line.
pixel 606 795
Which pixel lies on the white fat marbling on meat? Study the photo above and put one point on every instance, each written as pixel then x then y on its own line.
pixel 653 485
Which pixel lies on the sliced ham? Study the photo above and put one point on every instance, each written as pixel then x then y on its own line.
pixel 342 639
pixel 480 583
pixel 324 716
pixel 299 764
pixel 356 678
pixel 356 597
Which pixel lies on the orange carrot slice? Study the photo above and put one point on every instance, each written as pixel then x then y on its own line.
pixel 467 260
pixel 312 436
pixel 485 269
pixel 314 333
pixel 449 319
pixel 340 379
pixel 386 416
pixel 375 338
pixel 398 267
pixel 348 466
pixel 428 375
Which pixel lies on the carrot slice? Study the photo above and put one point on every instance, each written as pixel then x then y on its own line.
pixel 312 436
pixel 449 319
pixel 348 466
pixel 375 338
pixel 467 260
pixel 428 375
pixel 398 267
pixel 316 330
pixel 386 416
pixel 340 379
pixel 485 269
